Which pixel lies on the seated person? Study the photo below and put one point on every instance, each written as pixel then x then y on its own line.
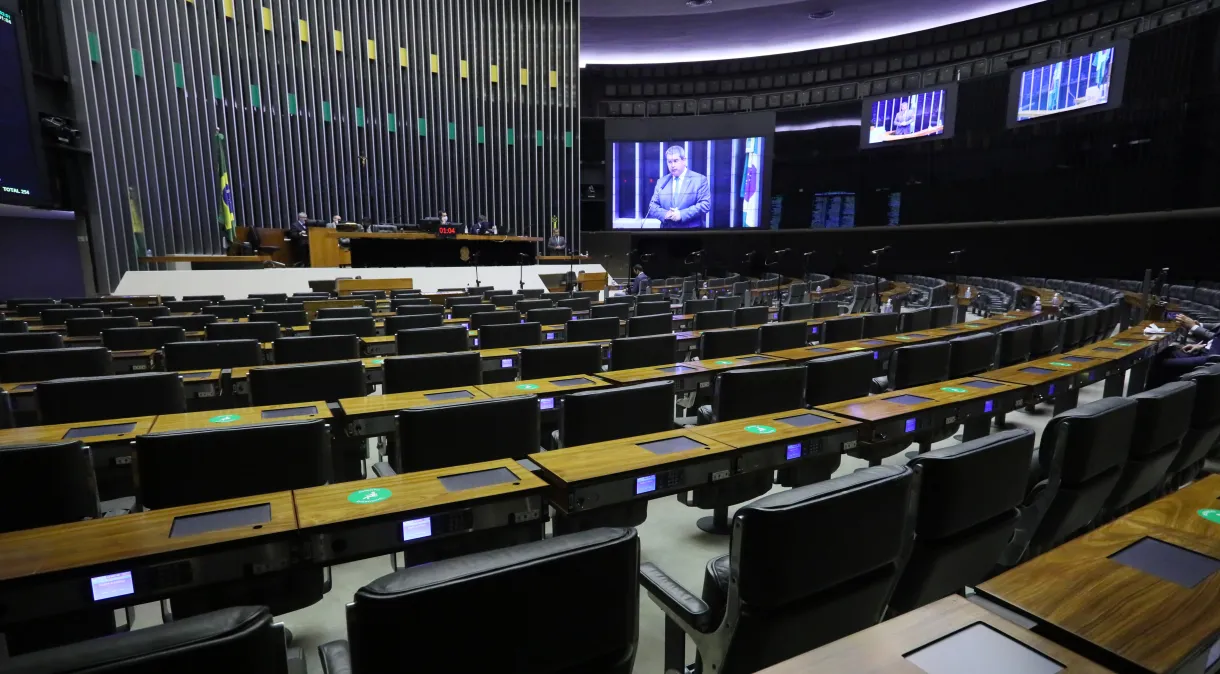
pixel 1197 330
pixel 1178 360
pixel 639 283
pixel 482 226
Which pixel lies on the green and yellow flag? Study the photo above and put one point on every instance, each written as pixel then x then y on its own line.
pixel 226 215
pixel 137 222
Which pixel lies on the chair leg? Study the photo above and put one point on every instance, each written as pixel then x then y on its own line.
pixel 675 647
pixel 718 523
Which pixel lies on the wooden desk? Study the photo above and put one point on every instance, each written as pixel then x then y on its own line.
pixel 33 435
pixel 794 434
pixel 372 416
pixel 324 250
pixel 182 262
pixel 805 353
pixel 1053 378
pixel 915 337
pixel 1179 511
pixel 1121 355
pixel 738 362
pixel 881 649
pixel 354 520
pixel 542 387
pixel 346 286
pixel 1130 619
pixel 239 416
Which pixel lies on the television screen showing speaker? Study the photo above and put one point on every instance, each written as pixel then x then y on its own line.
pixel 908 117
pixel 684 183
pixel 1082 84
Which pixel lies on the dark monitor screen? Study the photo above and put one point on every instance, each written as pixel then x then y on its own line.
pixel 980 648
pixel 909 117
pixel 449 395
pixel 1076 359
pixel 676 369
pixel 571 382
pixel 479 478
pixel 752 359
pixel 1109 349
pixel 1167 562
pixel 94 431
pixel 907 400
pixel 872 342
pixel 197 375
pixel 979 383
pixel 21 162
pixel 1036 370
pixel 820 349
pixel 289 412
pixel 804 420
pixel 25 387
pixel 233 518
pixel 672 445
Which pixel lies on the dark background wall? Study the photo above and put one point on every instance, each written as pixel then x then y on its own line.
pixel 40 256
pixel 378 131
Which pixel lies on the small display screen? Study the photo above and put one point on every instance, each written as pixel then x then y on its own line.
pixel 820 349
pixel 672 445
pixel 676 369
pixel 980 648
pixel 752 359
pixel 804 420
pixel 112 585
pixel 1051 391
pixel 506 362
pixel 872 342
pixel 197 375
pixel 546 403
pixel 988 406
pixel 571 382
pixel 289 412
pixel 1108 349
pixel 217 520
pixel 813 330
pixel 479 478
pixel 25 387
pixel 94 431
pixel 645 484
pixel 794 451
pixel 448 395
pixel 1037 370
pixel 915 335
pixel 417 529
pixel 979 383
pixel 907 400
pixel 1167 561
pixel 910 426
pixel 550 336
pixel 909 117
pixel 1075 359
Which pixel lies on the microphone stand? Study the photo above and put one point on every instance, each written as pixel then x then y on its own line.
pixel 571 279
pixel 521 257
pixel 877 278
pixel 475 257
pixel 957 269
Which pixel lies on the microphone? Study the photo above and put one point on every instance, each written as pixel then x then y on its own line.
pixel 810 253
pixel 645 257
pixel 881 250
pixel 783 250
pixel 956 252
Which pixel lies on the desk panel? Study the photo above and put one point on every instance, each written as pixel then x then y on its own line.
pixel 240 416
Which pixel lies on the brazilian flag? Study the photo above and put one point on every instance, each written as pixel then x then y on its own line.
pixel 137 222
pixel 226 215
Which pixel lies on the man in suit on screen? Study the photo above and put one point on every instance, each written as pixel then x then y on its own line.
pixel 682 197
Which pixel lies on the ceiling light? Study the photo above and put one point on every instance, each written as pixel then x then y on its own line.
pixel 698 3
pixel 821 14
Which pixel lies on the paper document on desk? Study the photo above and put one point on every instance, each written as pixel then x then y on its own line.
pixel 1154 330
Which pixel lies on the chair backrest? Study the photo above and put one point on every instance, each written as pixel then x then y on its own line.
pixel 92 327
pixel 1013 345
pixel 879 325
pixel 44 364
pixel 943 315
pixel 444 339
pixel 29 472
pixel 971 355
pixel 65 401
pixel 468 310
pixel 652 308
pixel 1073 331
pixel 586 417
pixel 525 306
pixel 211 299
pixel 1045 338
pixel 285 319
pixel 315 348
pixel 128 339
pixel 463 299
pixel 842 329
pixel 696 306
pixel 360 327
pixel 27 341
pixel 555 297
pixel 764 390
pixel 751 316
pixel 307 383
pixel 263 331
pixel 187 306
pixel 499 336
pixel 622 299
pixel 395 323
pixel 969 496
pixel 345 312
pixel 728 302
pixel 633 352
pixel 142 313
pixel 432 371
pixel 193 323
pixel 58 316
pixel 1088 330
pixel 280 306
pixel 1204 417
pixel 653 324
pixel 33 310
pixel 796 312
pixel 715 320
pixel 480 319
pixel 212 354
pixel 919 364
pixel 414 302
pixel 508 300
pixel 576 303
pixel 551 316
pixel 500 428
pixel 590 329
pixel 917 319
pixel 599 566
pixel 196 466
pixel 840 377
pixel 16 302
pixel 269 297
pixel 532 293
pixel 1162 417
pixel 418 309
pixel 790 596
pixel 9 326
pixel 230 310
pixel 556 361
pixel 649 297
pixel 732 342
pixel 797 292
pixel 6 411
pixel 780 336
pixel 619 310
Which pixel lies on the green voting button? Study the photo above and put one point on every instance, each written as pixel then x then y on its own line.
pixel 854 348
pixel 1122 343
pixel 903 337
pixel 954 389
pixel 761 430
pixel 1058 364
pixel 225 419
pixel 1211 515
pixel 526 387
pixel 724 362
pixel 378 361
pixel 369 495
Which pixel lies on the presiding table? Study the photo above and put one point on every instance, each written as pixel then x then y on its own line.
pixel 415 249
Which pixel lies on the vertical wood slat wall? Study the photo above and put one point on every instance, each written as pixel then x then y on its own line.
pixel 355 108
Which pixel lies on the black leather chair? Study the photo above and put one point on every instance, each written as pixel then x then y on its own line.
pixel 29 341
pixel 432 371
pixel 778 593
pixel 187 306
pixel 943 315
pixel 93 327
pixel 632 352
pixel 6 411
pixel 629 300
pixel 738 394
pixel 399 302
pixel 315 348
pixel 192 323
pixel 781 336
pixel 1045 339
pixel 722 343
pixel 508 300
pixel 395 323
pixel 59 316
pixel 1013 345
pixel 540 362
pixel 268 297
pixel 234 311
pixel 825 309
pixel 503 428
pixel 971 355
pixel 598 566
pixel 482 319
pixel 142 313
pixel 344 312
pixel 652 308
pixel 285 319
pixel 592 329
pixel 576 303
pixel 620 311
pixel 915 365
pixel 715 320
pixel 260 331
pixel 307 383
pixel 418 309
pixel 1073 333
pixel 213 354
pixel 1080 458
pixel 34 310
pixel 551 316
pixel 842 329
pixel 9 326
pixel 1088 330
pixel 463 299
pixel 649 325
pixel 693 307
pixel 64 401
pixel 1162 418
pixel 728 302
pixel 969 497
pixel 501 336
pixel 751 316
pixel 44 364
pixel 1204 430
pixel 526 306
pixel 796 312
pixel 255 302
pixel 360 327
pixel 130 339
pixel 916 319
pixel 879 325
pixel 447 339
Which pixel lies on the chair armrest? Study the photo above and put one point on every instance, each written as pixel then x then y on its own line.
pixel 880 385
pixel 118 506
pixel 296 661
pixel 383 469
pixel 689 611
pixel 335 657
pixel 555 440
pixel 705 414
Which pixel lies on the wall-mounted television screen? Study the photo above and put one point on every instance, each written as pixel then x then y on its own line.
pixel 908 117
pixel 21 160
pixel 1081 84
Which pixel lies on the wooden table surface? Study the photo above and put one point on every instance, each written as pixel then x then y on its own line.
pixel 110 539
pixel 878 407
pixel 320 506
pixel 914 337
pixel 735 434
pixel 240 416
pixel 1111 349
pixel 1056 368
pixel 881 649
pixel 615 457
pixel 807 352
pixel 1180 510
pixel 393 402
pixel 30 435
pixel 653 373
pixel 744 360
pixel 541 386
